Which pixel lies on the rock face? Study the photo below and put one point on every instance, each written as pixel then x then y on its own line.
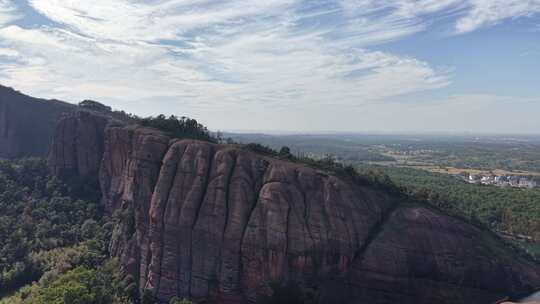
pixel 78 144
pixel 219 224
pixel 27 124
pixel 426 257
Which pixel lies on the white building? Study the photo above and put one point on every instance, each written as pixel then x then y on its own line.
pixel 526 183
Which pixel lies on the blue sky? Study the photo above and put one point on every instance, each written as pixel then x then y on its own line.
pixel 286 65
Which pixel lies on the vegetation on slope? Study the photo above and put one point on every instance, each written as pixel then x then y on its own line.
pixel 182 127
pixel 328 164
pixel 515 211
pixel 54 240
pixel 37 214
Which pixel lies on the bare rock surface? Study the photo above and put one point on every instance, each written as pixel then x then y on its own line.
pixel 78 144
pixel 421 250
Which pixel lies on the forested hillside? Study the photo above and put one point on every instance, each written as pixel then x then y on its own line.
pixel 54 235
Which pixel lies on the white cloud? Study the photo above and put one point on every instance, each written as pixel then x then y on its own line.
pixel 403 8
pixel 218 53
pixel 387 20
pixel 8 12
pixel 150 21
pixel 489 12
pixel 42 39
pixel 244 53
pixel 9 53
pixel 404 17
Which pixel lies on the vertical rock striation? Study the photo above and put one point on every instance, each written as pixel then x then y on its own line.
pixel 78 144
pixel 214 221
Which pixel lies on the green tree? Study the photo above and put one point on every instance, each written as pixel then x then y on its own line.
pixel 78 286
pixel 147 297
pixel 176 300
pixel 285 153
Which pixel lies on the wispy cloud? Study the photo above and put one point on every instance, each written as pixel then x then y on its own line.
pixel 215 52
pixel 150 21
pixel 9 53
pixel 234 52
pixel 489 12
pixel 8 12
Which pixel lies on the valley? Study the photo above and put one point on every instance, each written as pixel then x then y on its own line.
pixel 442 153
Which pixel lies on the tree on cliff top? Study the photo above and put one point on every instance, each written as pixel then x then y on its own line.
pixel 183 127
pixel 95 106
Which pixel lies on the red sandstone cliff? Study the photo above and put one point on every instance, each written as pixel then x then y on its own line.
pixel 217 223
pixel 78 144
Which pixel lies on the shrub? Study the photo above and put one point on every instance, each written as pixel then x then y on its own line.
pixel 182 127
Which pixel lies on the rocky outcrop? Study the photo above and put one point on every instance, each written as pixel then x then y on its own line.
pixel 422 256
pixel 27 124
pixel 219 224
pixel 78 144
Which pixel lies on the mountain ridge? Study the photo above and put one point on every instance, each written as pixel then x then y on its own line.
pixel 27 123
pixel 217 223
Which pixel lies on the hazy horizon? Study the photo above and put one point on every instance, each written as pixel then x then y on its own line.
pixel 399 66
pixel 375 132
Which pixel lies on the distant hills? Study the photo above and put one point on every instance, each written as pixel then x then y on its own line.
pixel 27 123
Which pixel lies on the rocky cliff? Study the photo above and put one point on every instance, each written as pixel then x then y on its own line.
pixel 219 224
pixel 27 124
pixel 78 143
